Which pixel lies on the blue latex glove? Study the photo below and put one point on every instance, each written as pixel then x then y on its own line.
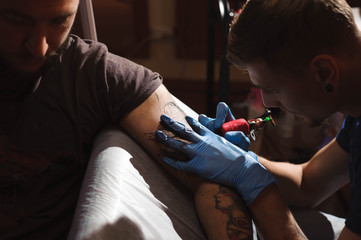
pixel 223 115
pixel 215 158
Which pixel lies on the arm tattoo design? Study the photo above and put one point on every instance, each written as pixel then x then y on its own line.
pixel 239 224
pixel 172 110
pixel 299 231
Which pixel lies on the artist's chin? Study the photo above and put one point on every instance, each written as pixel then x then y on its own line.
pixel 312 122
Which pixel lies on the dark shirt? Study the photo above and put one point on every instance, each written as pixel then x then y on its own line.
pixel 349 138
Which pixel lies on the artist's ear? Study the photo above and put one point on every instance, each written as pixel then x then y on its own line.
pixel 326 70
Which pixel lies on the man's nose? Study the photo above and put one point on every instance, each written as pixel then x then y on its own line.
pixel 37 42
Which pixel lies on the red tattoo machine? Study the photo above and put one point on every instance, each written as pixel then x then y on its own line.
pixel 248 127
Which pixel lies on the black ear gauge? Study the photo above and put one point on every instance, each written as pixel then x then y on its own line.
pixel 329 88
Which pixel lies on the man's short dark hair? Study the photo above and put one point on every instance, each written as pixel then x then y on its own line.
pixel 287 34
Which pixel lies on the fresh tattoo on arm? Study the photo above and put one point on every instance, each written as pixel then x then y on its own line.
pixel 172 110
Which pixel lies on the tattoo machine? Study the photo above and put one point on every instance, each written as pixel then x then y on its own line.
pixel 249 127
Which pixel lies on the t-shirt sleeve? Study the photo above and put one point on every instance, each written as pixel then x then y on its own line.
pixel 101 87
pixel 343 136
pixel 349 138
pixel 353 219
pixel 129 84
pixel 113 86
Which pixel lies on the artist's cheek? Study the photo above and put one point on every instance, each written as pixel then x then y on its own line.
pixel 296 102
pixel 270 99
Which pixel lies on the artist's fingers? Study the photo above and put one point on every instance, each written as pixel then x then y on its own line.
pixel 238 138
pixel 197 127
pixel 183 147
pixel 223 115
pixel 207 122
pixel 176 164
pixel 179 129
pixel 204 119
pixel 169 141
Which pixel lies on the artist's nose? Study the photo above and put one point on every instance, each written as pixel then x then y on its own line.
pixel 270 99
pixel 37 42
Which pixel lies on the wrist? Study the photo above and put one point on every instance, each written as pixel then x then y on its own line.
pixel 253 178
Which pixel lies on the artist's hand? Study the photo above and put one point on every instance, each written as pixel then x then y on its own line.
pixel 223 115
pixel 215 158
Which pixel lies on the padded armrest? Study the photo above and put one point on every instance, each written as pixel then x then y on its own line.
pixel 126 195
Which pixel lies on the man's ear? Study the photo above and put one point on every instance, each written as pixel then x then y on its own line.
pixel 326 71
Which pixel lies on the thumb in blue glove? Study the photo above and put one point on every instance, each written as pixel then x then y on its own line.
pixel 238 138
pixel 223 115
pixel 213 157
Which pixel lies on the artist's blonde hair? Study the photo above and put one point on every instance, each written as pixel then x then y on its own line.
pixel 287 34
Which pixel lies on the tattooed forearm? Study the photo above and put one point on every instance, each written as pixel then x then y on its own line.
pixel 239 224
pixel 299 231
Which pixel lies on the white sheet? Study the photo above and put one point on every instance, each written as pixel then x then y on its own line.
pixel 126 195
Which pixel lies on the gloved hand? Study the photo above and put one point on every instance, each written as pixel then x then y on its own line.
pixel 215 158
pixel 223 115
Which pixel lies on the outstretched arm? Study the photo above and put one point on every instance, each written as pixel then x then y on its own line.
pixel 272 217
pixel 310 183
pixel 141 124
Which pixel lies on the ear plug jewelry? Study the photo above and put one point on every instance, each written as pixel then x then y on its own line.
pixel 329 88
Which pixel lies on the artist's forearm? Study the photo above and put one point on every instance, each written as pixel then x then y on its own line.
pixel 289 178
pixel 272 216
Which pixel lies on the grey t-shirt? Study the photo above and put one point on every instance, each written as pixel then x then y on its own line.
pixel 45 147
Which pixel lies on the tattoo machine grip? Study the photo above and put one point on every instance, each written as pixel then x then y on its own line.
pixel 236 125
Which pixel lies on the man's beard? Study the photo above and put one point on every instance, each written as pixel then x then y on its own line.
pixel 310 122
pixel 52 60
pixel 313 123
